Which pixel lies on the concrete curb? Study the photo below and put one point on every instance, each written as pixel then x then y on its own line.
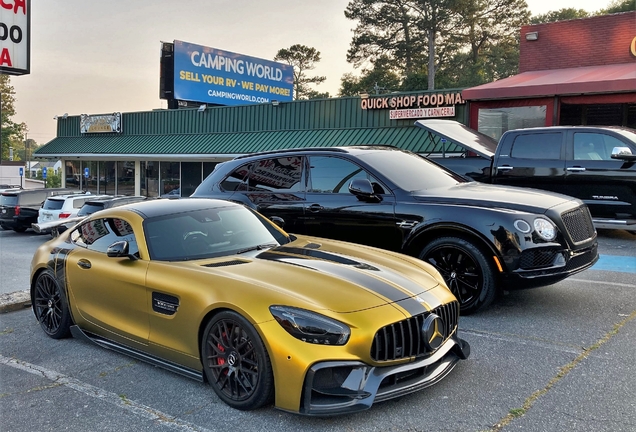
pixel 14 301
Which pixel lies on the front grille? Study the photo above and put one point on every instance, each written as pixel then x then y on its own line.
pixel 404 339
pixel 578 223
pixel 535 259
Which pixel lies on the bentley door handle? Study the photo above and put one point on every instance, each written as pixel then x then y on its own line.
pixel 314 208
pixel 575 169
pixel 505 168
pixel 85 264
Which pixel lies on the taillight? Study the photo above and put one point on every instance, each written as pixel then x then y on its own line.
pixel 64 215
pixel 17 211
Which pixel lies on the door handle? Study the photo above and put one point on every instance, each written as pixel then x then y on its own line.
pixel 315 208
pixel 504 168
pixel 575 169
pixel 85 264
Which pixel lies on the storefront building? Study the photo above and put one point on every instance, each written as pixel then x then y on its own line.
pixel 575 72
pixel 171 151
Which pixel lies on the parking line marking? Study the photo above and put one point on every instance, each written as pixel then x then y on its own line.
pixel 618 284
pixel 98 393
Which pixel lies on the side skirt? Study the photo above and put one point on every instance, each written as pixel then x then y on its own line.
pixel 122 349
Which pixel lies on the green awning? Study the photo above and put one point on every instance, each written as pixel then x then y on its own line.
pixel 210 144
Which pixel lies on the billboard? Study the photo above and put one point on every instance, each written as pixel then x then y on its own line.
pixel 209 75
pixel 15 37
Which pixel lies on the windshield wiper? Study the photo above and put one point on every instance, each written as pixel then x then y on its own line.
pixel 257 247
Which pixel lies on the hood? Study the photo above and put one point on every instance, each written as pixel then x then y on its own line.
pixel 461 135
pixel 324 279
pixel 494 196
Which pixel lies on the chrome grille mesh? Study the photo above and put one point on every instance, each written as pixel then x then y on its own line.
pixel 404 339
pixel 578 223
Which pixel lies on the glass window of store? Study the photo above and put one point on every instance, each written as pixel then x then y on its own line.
pixel 90 183
pixel 125 178
pixel 150 178
pixel 191 177
pixel 494 122
pixel 72 174
pixel 170 177
pixel 107 178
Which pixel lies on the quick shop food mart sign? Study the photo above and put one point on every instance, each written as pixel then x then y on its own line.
pixel 15 37
pixel 209 75
pixel 424 105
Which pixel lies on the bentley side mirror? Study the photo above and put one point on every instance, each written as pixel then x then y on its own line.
pixel 363 190
pixel 278 221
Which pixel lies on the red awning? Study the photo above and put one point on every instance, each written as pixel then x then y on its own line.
pixel 616 78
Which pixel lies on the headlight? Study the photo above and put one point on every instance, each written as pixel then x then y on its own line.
pixel 545 229
pixel 522 226
pixel 311 327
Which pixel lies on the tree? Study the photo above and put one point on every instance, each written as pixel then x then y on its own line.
pixel 559 15
pixel 381 78
pixel 303 59
pixel 618 6
pixel 11 134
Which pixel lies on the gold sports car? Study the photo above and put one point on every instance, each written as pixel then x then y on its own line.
pixel 216 292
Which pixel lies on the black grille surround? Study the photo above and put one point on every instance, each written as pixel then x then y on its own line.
pixel 579 225
pixel 403 339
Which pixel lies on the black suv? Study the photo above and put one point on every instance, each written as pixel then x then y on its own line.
pixel 480 237
pixel 104 202
pixel 19 208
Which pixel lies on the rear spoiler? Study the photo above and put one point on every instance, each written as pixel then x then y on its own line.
pixel 49 226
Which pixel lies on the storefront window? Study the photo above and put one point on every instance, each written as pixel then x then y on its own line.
pixel 90 183
pixel 191 173
pixel 494 122
pixel 107 178
pixel 150 178
pixel 72 173
pixel 170 177
pixel 125 178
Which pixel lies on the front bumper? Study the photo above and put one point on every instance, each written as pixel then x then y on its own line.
pixel 339 387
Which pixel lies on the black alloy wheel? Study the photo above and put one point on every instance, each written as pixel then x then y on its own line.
pixel 465 270
pixel 236 363
pixel 50 306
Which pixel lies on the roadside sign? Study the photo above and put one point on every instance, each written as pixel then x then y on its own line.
pixel 86 172
pixel 44 173
pixel 21 171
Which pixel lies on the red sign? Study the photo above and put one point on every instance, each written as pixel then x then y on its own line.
pixel 15 37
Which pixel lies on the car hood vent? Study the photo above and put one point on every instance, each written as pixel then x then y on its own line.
pixel 224 263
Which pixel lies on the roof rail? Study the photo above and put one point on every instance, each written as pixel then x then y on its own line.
pixel 290 150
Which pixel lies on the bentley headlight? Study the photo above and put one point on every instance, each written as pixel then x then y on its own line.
pixel 545 229
pixel 311 327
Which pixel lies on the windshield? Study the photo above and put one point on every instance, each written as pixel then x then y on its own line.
pixel 628 133
pixel 209 233
pixel 409 171
pixel 89 209
pixel 8 200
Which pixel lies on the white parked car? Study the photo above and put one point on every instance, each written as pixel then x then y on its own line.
pixel 62 206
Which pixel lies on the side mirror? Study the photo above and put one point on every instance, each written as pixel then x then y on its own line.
pixel 119 250
pixel 278 221
pixel 624 153
pixel 363 190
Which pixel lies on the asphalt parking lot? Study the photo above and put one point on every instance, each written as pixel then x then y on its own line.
pixel 558 358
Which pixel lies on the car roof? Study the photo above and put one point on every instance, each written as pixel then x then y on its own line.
pixel 354 149
pixel 161 207
pixel 71 196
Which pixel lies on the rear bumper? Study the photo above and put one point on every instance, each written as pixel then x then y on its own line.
pixel 340 387
pixel 622 224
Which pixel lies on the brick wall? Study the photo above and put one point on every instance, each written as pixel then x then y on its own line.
pixel 595 41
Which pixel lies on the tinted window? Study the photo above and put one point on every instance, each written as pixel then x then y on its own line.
pixel 409 171
pixel 275 174
pixel 90 208
pixel 9 200
pixel 98 234
pixel 537 146
pixel 53 204
pixel 79 202
pixel 333 174
pixel 594 146
pixel 208 233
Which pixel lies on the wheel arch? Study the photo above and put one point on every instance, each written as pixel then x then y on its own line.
pixel 426 234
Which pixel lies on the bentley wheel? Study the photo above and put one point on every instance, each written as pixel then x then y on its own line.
pixel 50 306
pixel 236 363
pixel 465 270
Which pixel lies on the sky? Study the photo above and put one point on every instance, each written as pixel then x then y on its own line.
pixel 96 57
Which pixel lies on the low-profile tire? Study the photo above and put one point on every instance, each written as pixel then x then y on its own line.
pixel 50 306
pixel 20 229
pixel 465 269
pixel 236 363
